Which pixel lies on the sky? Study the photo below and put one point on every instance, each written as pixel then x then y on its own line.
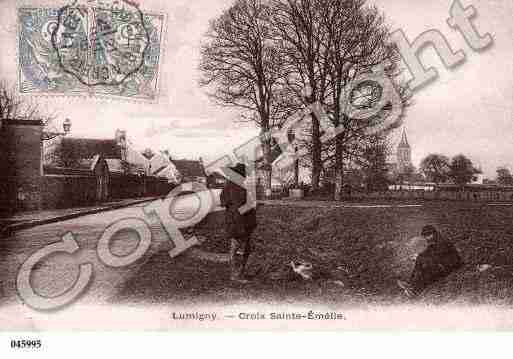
pixel 466 110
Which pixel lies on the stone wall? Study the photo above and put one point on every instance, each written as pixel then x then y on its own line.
pixel 481 196
pixel 68 191
pixel 24 187
pixel 133 186
pixel 80 191
pixel 21 165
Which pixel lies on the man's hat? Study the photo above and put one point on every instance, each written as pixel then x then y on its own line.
pixel 240 168
pixel 428 230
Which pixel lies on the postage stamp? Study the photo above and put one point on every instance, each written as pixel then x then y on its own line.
pixel 96 49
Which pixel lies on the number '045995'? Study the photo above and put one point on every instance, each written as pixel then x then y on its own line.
pixel 26 344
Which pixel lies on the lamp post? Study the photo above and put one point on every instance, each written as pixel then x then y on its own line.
pixel 66 126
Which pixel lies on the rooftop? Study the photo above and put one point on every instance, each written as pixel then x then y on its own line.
pixel 189 168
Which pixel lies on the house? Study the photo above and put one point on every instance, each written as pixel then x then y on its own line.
pixel 137 163
pixel 70 163
pixel 191 171
pixel 162 167
pixel 52 170
pixel 119 171
pixel 216 180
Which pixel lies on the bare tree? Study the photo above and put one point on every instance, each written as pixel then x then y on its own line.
pixel 326 45
pixel 241 65
pixel 302 40
pixel 366 156
pixel 358 44
pixel 271 59
pixel 9 103
pixel 15 107
pixel 374 164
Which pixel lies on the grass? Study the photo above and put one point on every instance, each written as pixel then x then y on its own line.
pixel 357 254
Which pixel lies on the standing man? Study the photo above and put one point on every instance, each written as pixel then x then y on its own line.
pixel 239 226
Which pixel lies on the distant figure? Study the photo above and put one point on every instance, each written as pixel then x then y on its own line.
pixel 347 191
pixel 438 260
pixel 239 227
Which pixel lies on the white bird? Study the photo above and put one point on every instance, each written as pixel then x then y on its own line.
pixel 483 267
pixel 304 269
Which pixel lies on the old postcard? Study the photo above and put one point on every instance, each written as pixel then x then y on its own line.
pixel 255 164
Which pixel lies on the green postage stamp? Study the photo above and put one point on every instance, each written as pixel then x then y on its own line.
pixel 99 48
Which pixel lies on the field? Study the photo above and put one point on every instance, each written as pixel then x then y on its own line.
pixel 358 253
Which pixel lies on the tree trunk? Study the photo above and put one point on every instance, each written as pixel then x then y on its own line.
pixel 339 168
pixel 267 166
pixel 267 174
pixel 316 153
pixel 296 171
pixel 339 156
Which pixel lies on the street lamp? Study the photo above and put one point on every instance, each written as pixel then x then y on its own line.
pixel 66 126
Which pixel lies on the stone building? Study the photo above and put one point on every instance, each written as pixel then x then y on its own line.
pixel 162 167
pixel 191 171
pixel 43 171
pixel 21 167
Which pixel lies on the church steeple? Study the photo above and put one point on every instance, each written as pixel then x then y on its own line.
pixel 404 154
pixel 404 140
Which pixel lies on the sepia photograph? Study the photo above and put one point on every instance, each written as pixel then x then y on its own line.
pixel 242 165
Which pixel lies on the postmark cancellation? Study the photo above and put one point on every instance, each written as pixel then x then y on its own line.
pixel 97 48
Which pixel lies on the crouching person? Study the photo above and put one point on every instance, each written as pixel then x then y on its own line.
pixel 239 226
pixel 437 261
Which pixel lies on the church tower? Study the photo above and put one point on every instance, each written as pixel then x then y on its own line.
pixel 403 154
